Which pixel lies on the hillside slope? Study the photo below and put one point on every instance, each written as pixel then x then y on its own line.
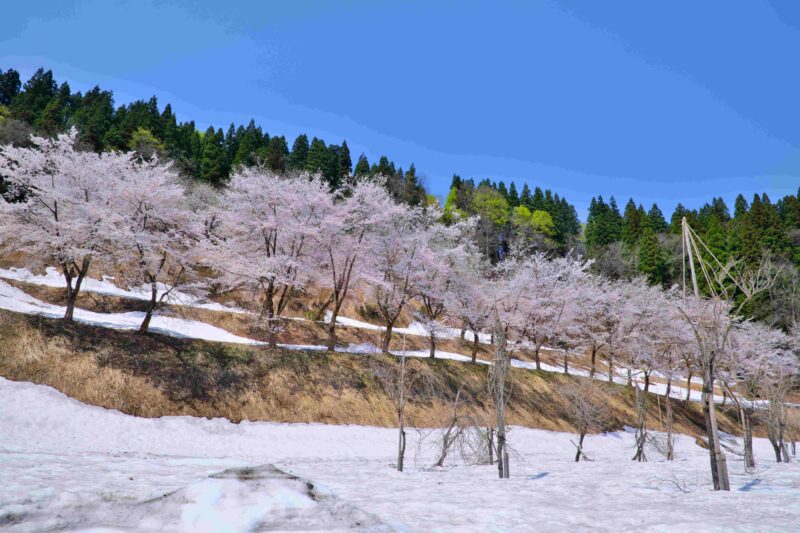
pixel 157 375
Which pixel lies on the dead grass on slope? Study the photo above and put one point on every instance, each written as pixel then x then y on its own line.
pixel 155 375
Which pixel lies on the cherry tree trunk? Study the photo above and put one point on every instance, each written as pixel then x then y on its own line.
pixel 610 368
pixel 594 364
pixel 474 346
pixel 537 358
pixel 151 307
pixel 646 381
pixel 73 290
pixel 432 340
pixel 387 337
pixel 689 387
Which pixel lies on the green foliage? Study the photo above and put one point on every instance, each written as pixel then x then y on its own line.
pixel 538 222
pixel 144 143
pixel 652 261
pixel 9 86
pixel 604 224
pixel 209 156
pixel 491 206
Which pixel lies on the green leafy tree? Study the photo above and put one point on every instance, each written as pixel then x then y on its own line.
pixel 147 145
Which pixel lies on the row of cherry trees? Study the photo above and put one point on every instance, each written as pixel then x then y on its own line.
pixel 273 238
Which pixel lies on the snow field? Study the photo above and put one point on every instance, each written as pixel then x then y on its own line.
pixel 68 466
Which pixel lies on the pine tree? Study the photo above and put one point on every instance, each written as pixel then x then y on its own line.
pixel 362 167
pixel 249 142
pixel 537 202
pixel 34 97
pixel 213 167
pixel 513 196
pixel 276 154
pixel 95 120
pixel 501 188
pixel 677 216
pixel 317 152
pixel 297 159
pixel 631 224
pixel 9 86
pixel 525 197
pixel 345 162
pixel 740 208
pixel 652 260
pixel 655 220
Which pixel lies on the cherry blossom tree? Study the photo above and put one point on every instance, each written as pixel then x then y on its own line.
pixel 346 241
pixel 262 236
pixel 67 217
pixel 437 274
pixel 395 258
pixel 595 317
pixel 154 240
pixel 467 300
pixel 762 361
pixel 550 301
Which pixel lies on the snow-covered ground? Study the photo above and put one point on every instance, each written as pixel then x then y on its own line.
pixel 106 286
pixel 65 466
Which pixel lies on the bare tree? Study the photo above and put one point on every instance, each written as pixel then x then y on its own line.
pixel 641 426
pixel 587 410
pixel 400 385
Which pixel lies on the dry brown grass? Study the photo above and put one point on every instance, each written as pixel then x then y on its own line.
pixel 155 375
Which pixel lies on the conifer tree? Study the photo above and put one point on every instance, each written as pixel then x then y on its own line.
pixel 297 159
pixel 513 195
pixel 9 86
pixel 652 260
pixel 213 167
pixel 655 220
pixel 362 167
pixel 317 152
pixel 345 162
pixel 631 224
pixel 525 197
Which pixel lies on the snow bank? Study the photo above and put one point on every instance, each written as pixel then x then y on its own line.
pixel 69 466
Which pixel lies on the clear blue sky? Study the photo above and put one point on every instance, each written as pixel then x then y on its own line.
pixel 665 101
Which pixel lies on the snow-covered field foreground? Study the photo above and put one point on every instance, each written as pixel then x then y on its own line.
pixel 65 466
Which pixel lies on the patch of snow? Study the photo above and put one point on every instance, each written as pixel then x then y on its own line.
pixel 106 286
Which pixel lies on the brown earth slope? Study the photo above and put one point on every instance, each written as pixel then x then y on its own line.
pixel 156 375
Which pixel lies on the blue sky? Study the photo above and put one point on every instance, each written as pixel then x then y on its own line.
pixel 663 101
